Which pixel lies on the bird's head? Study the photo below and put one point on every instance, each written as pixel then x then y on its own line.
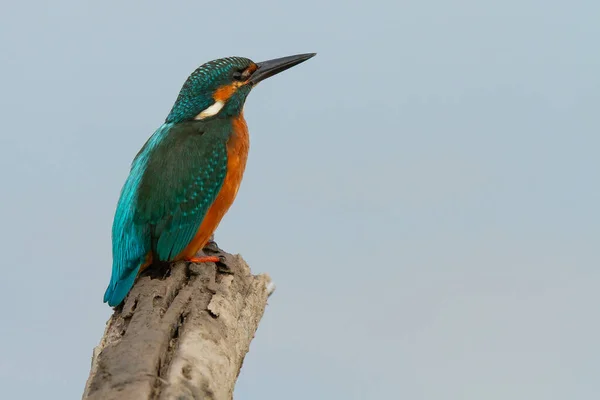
pixel 219 88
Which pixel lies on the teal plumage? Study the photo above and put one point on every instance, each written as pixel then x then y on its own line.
pixel 173 181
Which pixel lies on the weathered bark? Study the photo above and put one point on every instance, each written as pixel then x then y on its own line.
pixel 183 336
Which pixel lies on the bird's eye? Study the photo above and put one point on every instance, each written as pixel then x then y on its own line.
pixel 241 75
pixel 238 75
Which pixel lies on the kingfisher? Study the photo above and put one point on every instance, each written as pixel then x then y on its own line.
pixel 187 175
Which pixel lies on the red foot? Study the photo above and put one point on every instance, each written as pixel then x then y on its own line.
pixel 204 259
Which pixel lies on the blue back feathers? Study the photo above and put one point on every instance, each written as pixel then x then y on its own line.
pixel 130 242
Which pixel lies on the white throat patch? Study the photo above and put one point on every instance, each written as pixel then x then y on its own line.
pixel 211 111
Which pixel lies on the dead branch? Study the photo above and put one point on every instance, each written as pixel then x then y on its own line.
pixel 180 336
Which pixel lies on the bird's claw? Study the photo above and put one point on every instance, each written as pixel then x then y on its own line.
pixel 211 247
pixel 222 266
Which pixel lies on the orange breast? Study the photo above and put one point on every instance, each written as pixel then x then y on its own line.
pixel 237 154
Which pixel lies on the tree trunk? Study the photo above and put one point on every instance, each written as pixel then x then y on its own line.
pixel 182 335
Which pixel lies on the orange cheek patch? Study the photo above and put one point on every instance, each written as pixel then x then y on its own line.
pixel 225 92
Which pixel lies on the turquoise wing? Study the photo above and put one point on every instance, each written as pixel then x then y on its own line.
pixel 174 180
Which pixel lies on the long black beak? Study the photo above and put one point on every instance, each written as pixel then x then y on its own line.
pixel 269 68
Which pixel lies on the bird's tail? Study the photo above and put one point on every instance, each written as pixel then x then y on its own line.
pixel 119 287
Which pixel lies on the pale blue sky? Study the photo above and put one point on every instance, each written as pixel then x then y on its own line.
pixel 424 192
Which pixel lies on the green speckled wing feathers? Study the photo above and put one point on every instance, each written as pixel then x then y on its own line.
pixel 182 179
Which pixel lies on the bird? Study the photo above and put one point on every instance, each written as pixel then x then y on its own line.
pixel 187 174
